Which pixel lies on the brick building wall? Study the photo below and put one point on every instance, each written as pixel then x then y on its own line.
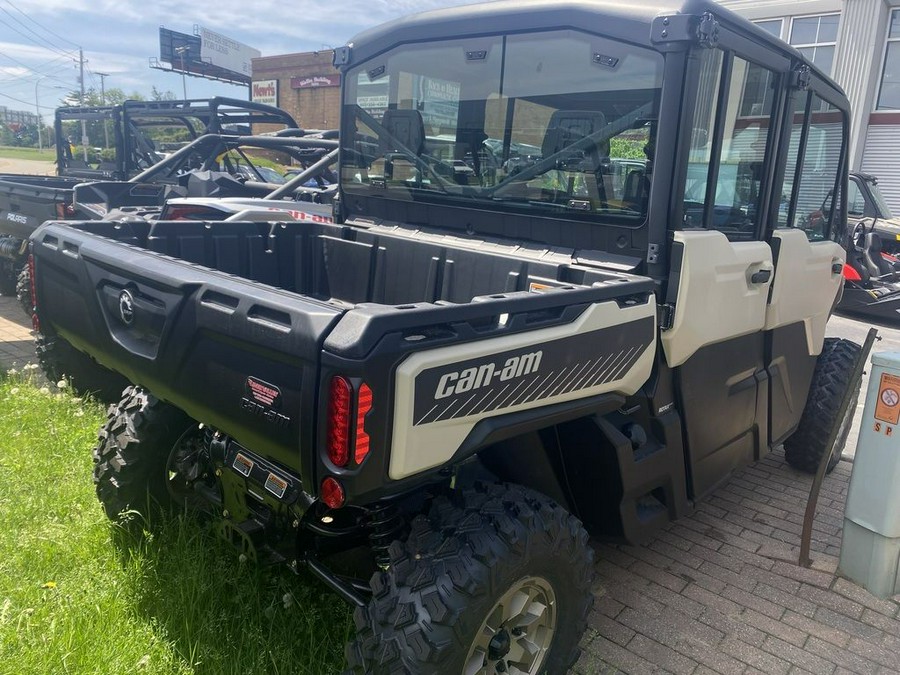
pixel 308 87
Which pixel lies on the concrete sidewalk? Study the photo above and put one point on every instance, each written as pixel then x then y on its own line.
pixel 718 592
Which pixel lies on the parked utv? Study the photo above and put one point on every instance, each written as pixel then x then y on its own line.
pixel 468 371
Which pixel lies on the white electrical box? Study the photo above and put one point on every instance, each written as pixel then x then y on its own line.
pixel 870 550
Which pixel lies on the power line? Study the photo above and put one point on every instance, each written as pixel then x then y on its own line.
pixel 42 27
pixel 25 65
pixel 33 71
pixel 41 42
pixel 18 100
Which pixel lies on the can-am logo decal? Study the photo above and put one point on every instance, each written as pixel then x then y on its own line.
pixel 126 307
pixel 459 382
pixel 495 383
pixel 263 400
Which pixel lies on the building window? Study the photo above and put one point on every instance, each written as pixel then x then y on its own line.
pixel 889 96
pixel 815 38
pixel 771 26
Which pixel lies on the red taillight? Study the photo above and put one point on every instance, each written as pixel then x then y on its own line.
pixel 189 212
pixel 31 288
pixel 332 493
pixel 363 406
pixel 339 403
pixel 851 274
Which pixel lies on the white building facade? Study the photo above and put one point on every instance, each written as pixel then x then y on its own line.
pixel 858 43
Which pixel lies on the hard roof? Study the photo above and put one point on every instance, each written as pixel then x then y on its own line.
pixel 628 20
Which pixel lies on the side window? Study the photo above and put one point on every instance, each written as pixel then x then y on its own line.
pixel 822 144
pixel 737 167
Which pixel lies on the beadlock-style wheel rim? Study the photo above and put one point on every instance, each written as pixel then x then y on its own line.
pixel 516 635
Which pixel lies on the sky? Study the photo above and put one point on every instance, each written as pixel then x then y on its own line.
pixel 39 40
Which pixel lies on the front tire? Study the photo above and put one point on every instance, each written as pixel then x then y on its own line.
pixel 134 452
pixel 493 579
pixel 804 449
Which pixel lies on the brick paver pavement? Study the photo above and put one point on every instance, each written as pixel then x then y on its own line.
pixel 16 344
pixel 720 591
pixel 717 592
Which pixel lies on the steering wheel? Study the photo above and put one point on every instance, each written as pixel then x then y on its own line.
pixel 858 235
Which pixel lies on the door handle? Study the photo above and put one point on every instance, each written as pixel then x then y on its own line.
pixel 760 277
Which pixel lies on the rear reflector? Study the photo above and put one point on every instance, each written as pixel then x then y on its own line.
pixel 332 493
pixel 363 406
pixel 339 402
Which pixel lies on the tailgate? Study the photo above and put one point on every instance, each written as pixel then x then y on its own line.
pixel 234 354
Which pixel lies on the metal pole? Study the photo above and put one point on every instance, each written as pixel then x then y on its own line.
pixel 103 77
pixel 84 137
pixel 809 516
pixel 181 50
pixel 37 109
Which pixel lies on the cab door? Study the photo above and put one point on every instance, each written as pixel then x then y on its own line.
pixel 722 267
pixel 808 260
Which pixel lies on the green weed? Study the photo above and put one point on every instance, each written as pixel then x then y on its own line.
pixel 80 595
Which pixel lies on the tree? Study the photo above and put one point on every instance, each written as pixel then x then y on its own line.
pixel 157 95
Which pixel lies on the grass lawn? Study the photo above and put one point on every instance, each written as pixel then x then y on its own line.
pixel 81 595
pixel 8 152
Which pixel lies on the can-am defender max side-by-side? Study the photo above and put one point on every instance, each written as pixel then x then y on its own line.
pixel 572 282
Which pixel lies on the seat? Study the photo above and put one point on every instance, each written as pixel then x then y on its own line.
pixel 636 189
pixel 876 264
pixel 567 127
pixel 405 126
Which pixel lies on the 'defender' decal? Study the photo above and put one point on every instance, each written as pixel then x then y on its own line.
pixel 519 376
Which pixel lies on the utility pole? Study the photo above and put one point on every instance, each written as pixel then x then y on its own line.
pixel 103 77
pixel 37 109
pixel 84 136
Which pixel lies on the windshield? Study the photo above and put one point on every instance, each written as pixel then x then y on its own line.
pixel 547 122
pixel 881 206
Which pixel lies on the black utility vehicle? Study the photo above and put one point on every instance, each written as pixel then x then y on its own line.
pixel 27 201
pixel 211 168
pixel 128 131
pixel 468 370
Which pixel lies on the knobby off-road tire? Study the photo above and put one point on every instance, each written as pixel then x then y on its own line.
pixel 803 450
pixel 23 290
pixel 133 450
pixel 463 575
pixel 60 360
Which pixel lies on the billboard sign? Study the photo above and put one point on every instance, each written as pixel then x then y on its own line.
pixel 265 91
pixel 225 53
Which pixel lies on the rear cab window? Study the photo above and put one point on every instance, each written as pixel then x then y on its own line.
pixel 558 123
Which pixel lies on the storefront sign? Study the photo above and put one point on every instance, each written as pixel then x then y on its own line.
pixel 309 81
pixel 265 91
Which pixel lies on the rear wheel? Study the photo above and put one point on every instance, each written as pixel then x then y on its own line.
pixel 60 360
pixel 804 449
pixel 494 580
pixel 147 453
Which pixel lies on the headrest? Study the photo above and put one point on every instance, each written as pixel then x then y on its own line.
pixel 407 127
pixel 569 126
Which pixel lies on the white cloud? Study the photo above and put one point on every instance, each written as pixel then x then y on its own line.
pixel 119 36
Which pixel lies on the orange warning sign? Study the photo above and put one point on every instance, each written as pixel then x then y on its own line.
pixel 887 407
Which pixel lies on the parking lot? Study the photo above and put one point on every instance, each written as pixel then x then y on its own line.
pixel 719 591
